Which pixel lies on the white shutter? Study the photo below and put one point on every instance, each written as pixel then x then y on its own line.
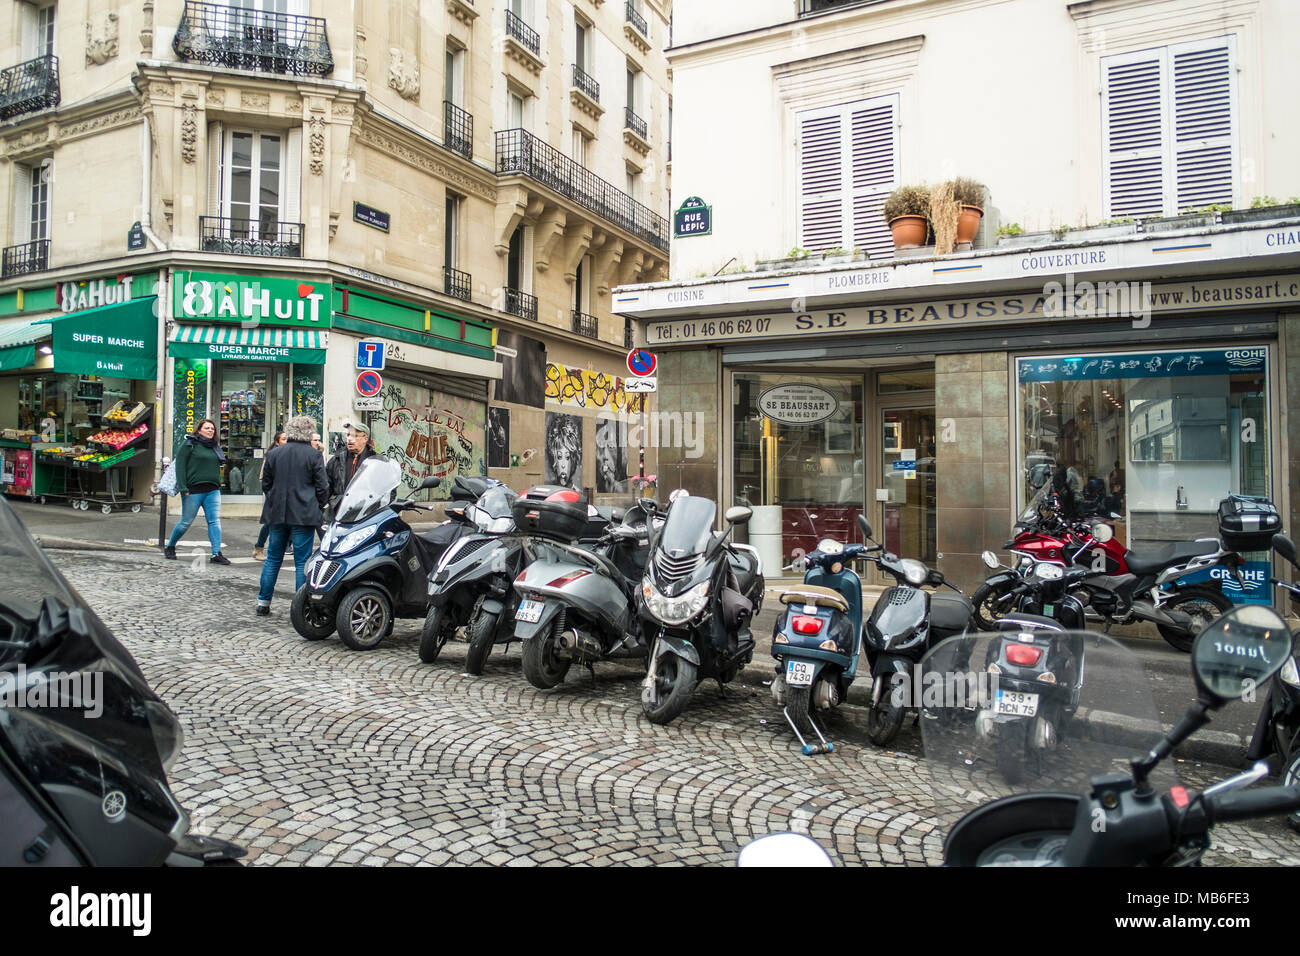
pixel 874 157
pixel 291 201
pixel 1203 124
pixel 216 163
pixel 821 179
pixel 1133 124
pixel 22 224
pixel 30 29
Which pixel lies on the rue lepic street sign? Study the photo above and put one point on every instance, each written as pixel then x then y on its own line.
pixel 693 218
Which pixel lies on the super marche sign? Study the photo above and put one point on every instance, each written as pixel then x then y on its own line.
pixel 118 341
pixel 797 403
pixel 209 297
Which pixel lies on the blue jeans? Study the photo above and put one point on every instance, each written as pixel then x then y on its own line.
pixel 190 505
pixel 303 536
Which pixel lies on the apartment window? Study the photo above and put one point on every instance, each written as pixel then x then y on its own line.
pixel 1169 124
pixel 453 89
pixel 582 45
pixel 581 146
pixel 38 30
pixel 32 201
pixel 517 109
pixel 848 163
pixel 633 81
pixel 634 183
pixel 254 181
pixel 451 232
pixel 581 286
pixel 515 271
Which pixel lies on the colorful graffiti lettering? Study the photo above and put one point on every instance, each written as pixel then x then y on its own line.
pixel 586 389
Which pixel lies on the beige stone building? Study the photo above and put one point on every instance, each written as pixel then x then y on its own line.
pixel 458 183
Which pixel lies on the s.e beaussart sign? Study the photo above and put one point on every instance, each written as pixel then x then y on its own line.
pixel 797 404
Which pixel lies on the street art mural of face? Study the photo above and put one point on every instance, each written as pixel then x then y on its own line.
pixel 611 456
pixel 563 450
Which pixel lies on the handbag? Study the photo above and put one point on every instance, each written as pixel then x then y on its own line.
pixel 167 483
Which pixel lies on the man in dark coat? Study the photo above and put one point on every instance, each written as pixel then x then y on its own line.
pixel 295 489
pixel 343 467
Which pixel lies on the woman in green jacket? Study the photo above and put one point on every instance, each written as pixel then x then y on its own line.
pixel 198 479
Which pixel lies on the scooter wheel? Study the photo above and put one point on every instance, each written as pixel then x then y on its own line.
pixel 1011 752
pixel 1203 605
pixel 313 623
pixel 437 631
pixel 363 618
pixel 1291 778
pixel 884 719
pixel 482 632
pixel 673 685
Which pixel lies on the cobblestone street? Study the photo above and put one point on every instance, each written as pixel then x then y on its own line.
pixel 309 753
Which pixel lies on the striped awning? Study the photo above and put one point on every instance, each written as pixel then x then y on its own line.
pixel 261 344
pixel 18 340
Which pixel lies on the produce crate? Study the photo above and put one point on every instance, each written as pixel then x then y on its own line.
pixel 125 414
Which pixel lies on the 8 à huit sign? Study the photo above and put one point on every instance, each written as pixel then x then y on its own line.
pixel 253 300
pixel 92 293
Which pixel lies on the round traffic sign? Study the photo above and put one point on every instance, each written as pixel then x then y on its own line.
pixel 369 383
pixel 641 362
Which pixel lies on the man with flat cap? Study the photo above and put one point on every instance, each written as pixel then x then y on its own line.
pixel 343 467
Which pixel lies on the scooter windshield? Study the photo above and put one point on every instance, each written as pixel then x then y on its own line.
pixel 371 490
pixel 689 526
pixel 1007 712
pixel 493 512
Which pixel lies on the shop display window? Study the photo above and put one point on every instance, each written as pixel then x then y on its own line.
pixel 252 408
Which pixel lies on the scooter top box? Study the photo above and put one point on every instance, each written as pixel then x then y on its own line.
pixel 551 511
pixel 1248 523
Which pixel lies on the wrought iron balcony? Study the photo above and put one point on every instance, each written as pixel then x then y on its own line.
pixel 457 129
pixel 518 151
pixel 809 7
pixel 244 39
pixel 249 237
pixel 29 86
pixel 634 17
pixel 636 124
pixel 521 304
pixel 457 283
pixel 26 257
pixel 522 32
pixel 585 324
pixel 586 84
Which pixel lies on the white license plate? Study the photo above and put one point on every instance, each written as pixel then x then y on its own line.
pixel 798 673
pixel 1017 704
pixel 530 612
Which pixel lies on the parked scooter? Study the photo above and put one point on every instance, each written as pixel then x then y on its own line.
pixel 905 622
pixel 577 604
pixel 1095 816
pixel 817 638
pixel 83 778
pixel 371 568
pixel 697 598
pixel 1278 729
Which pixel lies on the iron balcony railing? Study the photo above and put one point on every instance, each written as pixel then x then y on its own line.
pixel 249 237
pixel 808 7
pixel 518 151
pixel 26 257
pixel 585 324
pixel 456 283
pixel 636 124
pixel 244 39
pixel 586 84
pixel 29 86
pixel 634 17
pixel 457 129
pixel 522 32
pixel 627 333
pixel 521 304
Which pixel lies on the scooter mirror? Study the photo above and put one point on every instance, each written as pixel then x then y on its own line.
pixel 738 514
pixel 990 560
pixel 679 493
pixel 1285 547
pixel 1238 652
pixel 866 528
pixel 1102 532
pixel 431 482
pixel 784 850
pixel 648 505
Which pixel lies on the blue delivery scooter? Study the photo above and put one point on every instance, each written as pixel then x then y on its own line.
pixel 817 637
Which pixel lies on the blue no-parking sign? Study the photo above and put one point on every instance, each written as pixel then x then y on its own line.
pixel 370 355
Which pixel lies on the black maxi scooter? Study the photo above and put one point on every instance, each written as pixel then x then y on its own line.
pixel 83 777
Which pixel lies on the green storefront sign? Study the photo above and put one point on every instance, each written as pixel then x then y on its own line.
pixel 251 300
pixel 119 341
pixel 189 397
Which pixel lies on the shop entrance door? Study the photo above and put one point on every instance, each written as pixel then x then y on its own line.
pixel 253 404
pixel 907 518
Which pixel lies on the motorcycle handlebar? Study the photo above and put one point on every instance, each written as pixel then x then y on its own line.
pixel 1246 804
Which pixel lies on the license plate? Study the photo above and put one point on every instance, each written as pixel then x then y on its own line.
pixel 530 612
pixel 1016 704
pixel 798 673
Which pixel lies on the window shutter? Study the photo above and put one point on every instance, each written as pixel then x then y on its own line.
pixel 821 181
pixel 1203 127
pixel 30 28
pixel 874 157
pixel 1133 123
pixel 291 202
pixel 22 203
pixel 216 161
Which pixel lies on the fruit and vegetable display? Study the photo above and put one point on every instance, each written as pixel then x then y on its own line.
pixel 118 438
pixel 101 459
pixel 126 414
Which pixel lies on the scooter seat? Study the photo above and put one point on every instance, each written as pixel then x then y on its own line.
pixel 950 612
pixel 1176 553
pixel 431 545
pixel 819 596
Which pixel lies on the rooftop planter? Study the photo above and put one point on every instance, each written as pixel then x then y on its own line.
pixel 1262 213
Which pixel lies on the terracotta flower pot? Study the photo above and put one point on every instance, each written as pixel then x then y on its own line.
pixel 909 231
pixel 968 222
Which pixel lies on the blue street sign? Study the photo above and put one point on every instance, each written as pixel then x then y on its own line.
pixel 370 355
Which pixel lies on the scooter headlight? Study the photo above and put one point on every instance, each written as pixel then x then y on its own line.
pixel 168 736
pixel 1289 674
pixel 675 610
pixel 914 571
pixel 353 540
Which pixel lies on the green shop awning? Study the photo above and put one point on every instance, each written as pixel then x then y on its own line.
pixel 302 346
pixel 119 340
pixel 18 342
pixel 16 357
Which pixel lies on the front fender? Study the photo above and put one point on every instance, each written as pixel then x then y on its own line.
pixel 676 645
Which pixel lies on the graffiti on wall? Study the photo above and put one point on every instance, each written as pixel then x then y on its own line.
pixel 582 388
pixel 430 433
